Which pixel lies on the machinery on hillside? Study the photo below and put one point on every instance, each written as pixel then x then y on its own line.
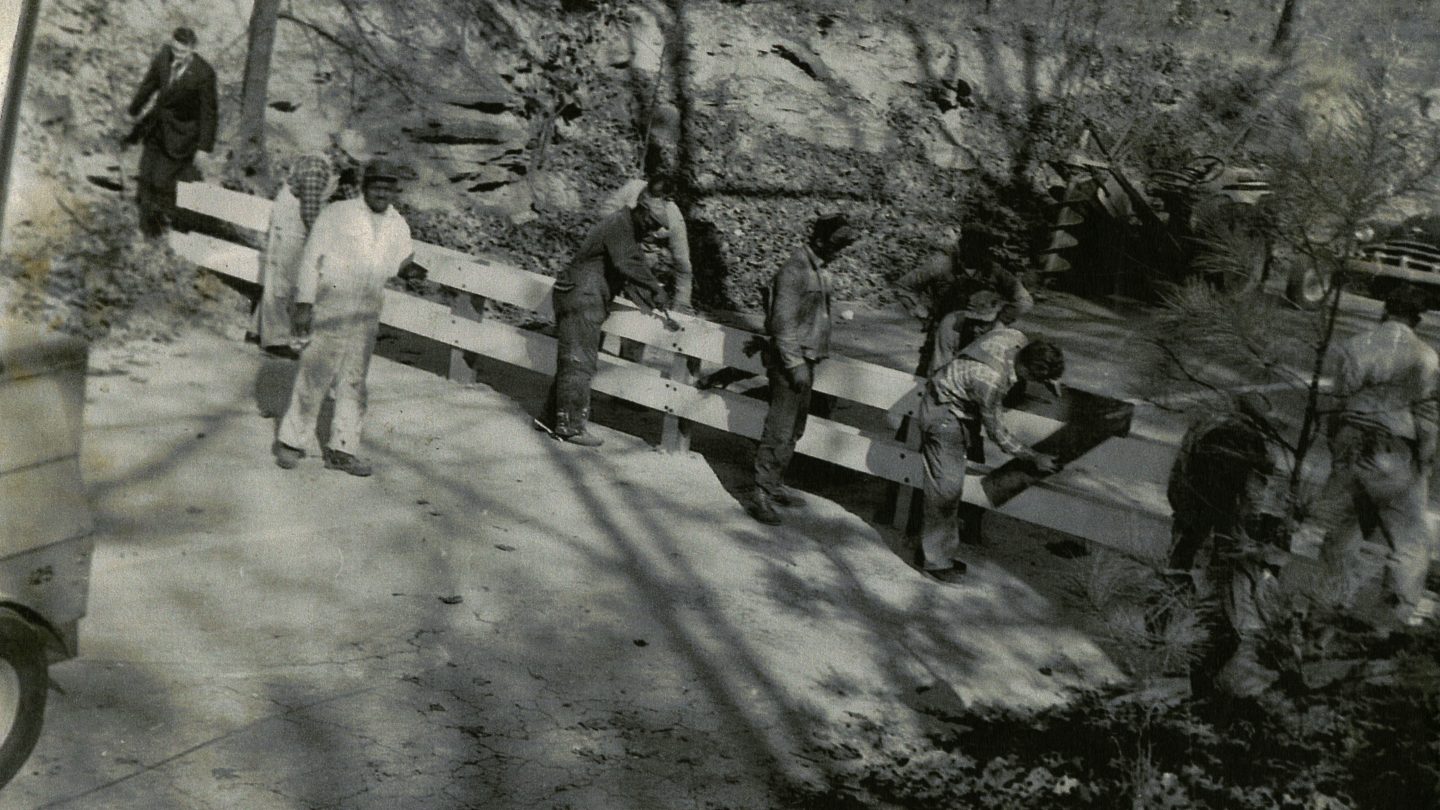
pixel 1109 237
pixel 1387 256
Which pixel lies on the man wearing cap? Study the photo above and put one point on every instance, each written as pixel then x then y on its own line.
pixel 963 326
pixel 969 389
pixel 181 122
pixel 1382 445
pixel 797 320
pixel 1223 496
pixel 657 184
pixel 945 284
pixel 608 262
pixel 354 248
pixel 297 205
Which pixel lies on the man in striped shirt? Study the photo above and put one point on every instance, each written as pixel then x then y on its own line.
pixel 971 388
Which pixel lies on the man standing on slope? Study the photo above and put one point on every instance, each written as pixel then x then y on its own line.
pixel 1382 447
pixel 608 262
pixel 297 205
pixel 945 284
pixel 797 319
pixel 181 122
pixel 354 248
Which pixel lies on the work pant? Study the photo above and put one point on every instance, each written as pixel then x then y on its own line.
pixel 784 425
pixel 577 356
pixel 272 316
pixel 336 363
pixel 1376 482
pixel 155 190
pixel 943 440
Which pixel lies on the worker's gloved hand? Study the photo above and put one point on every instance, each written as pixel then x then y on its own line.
pixel 1046 464
pixel 800 377
pixel 301 318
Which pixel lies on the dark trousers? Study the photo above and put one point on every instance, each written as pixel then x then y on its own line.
pixel 155 191
pixel 784 425
pixel 943 440
pixel 577 356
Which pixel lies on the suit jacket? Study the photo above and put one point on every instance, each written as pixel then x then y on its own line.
pixel 797 314
pixel 183 118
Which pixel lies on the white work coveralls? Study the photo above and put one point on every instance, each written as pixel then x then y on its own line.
pixel 279 263
pixel 1383 448
pixel 349 256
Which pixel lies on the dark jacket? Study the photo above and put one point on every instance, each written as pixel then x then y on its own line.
pixel 797 316
pixel 608 262
pixel 183 118
pixel 945 289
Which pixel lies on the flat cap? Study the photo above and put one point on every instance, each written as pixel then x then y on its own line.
pixel 381 169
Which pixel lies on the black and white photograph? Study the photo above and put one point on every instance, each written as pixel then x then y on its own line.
pixel 719 404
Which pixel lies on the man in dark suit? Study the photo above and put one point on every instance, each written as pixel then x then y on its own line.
pixel 180 122
pixel 797 320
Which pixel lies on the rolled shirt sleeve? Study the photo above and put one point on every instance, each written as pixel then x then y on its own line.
pixel 983 388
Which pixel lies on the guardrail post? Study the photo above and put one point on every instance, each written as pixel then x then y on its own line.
pixel 469 307
pixel 905 497
pixel 675 432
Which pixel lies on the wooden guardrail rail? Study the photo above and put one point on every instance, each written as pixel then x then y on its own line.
pixel 1097 505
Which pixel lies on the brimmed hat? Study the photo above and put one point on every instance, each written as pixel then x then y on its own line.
pixel 381 169
pixel 984 305
pixel 833 227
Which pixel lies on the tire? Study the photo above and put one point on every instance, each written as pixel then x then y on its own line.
pixel 24 686
pixel 1305 289
pixel 1231 248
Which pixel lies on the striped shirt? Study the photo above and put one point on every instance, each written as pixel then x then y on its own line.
pixel 974 390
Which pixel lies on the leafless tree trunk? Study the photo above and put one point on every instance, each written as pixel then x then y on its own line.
pixel 254 91
pixel 1284 42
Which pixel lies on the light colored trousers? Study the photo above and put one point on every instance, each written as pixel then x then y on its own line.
pixel 334 363
pixel 1376 484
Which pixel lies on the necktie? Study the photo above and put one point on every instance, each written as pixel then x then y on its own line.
pixel 176 68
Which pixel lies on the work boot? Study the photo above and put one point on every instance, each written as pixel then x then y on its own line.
pixel 762 508
pixel 1243 675
pixel 785 496
pixel 287 457
pixel 954 575
pixel 344 462
pixel 573 431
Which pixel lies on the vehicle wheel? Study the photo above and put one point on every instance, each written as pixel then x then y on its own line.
pixel 1306 288
pixel 1381 288
pixel 24 685
pixel 1232 249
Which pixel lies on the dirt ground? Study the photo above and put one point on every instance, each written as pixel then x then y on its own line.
pixel 494 620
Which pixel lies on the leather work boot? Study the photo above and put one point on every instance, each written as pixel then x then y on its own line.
pixel 785 496
pixel 344 462
pixel 566 430
pixel 1243 675
pixel 287 457
pixel 762 508
pixel 954 575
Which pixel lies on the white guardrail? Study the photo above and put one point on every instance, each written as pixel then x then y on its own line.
pixel 1113 494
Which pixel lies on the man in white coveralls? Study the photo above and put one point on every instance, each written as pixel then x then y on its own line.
pixel 355 247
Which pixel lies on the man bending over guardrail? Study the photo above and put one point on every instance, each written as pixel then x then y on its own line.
pixel 608 261
pixel 971 388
